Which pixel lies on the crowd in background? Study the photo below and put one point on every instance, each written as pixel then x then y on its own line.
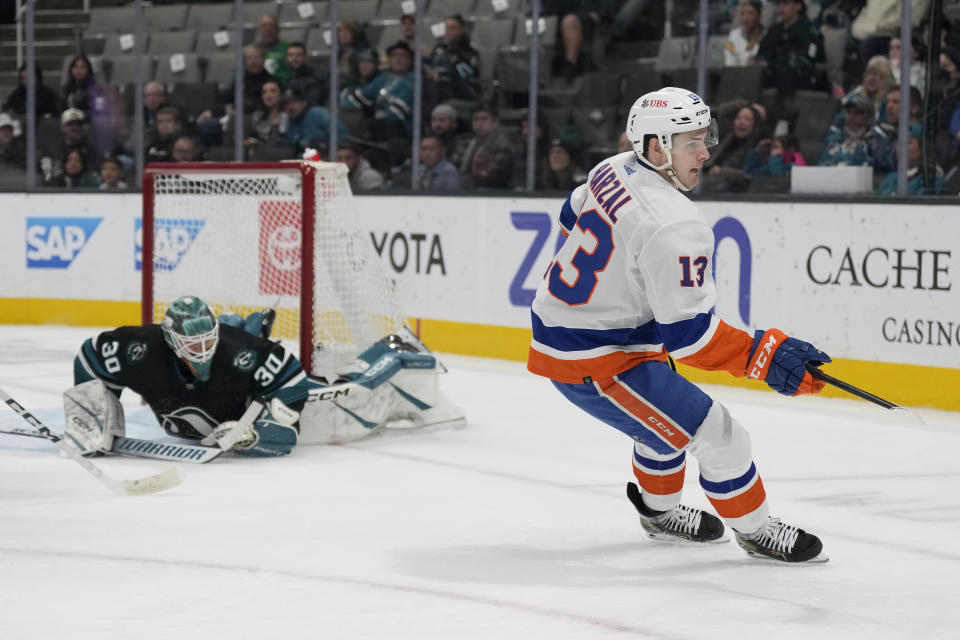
pixel 474 133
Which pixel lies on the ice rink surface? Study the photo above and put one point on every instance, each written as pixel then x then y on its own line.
pixel 515 526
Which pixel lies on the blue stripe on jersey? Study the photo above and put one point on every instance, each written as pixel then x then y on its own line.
pixel 730 486
pixel 567 339
pixel 677 335
pixel 660 465
pixel 568 217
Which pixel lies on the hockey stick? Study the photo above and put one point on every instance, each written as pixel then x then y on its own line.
pixel 150 484
pixel 137 448
pixel 818 374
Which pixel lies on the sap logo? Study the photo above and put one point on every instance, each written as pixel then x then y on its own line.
pixel 172 240
pixel 53 243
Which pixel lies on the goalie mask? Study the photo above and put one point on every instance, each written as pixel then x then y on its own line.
pixel 192 331
pixel 664 114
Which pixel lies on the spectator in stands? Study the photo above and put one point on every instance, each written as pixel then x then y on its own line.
pixel 368 68
pixel 408 33
pixel 444 125
pixel 390 95
pixel 154 97
pixel 111 175
pixel 185 149
pixel 436 172
pixel 73 133
pixel 303 77
pixel 208 124
pixel 362 176
pixel 743 42
pixel 559 172
pixel 918 73
pixel 48 103
pixel 915 181
pixel 726 170
pixel 879 20
pixel 81 90
pixel 73 174
pixel 307 124
pixel 543 139
pixel 854 145
pixel 267 122
pixel 877 81
pixel 169 127
pixel 571 59
pixel 485 158
pixel 454 64
pixel 885 131
pixel 352 41
pixel 790 51
pixel 637 20
pixel 946 108
pixel 13 153
pixel 775 157
pixel 274 50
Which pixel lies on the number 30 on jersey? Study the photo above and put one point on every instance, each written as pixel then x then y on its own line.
pixel 575 281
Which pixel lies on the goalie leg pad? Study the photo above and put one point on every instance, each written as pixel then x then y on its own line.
pixel 93 417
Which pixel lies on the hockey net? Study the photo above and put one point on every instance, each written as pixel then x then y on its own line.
pixel 250 236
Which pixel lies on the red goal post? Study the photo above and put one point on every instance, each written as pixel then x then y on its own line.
pixel 256 235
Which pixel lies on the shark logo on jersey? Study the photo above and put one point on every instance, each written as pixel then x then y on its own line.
pixel 188 421
pixel 244 360
pixel 172 241
pixel 53 243
pixel 136 351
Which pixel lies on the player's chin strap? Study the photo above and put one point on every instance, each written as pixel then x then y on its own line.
pixel 666 167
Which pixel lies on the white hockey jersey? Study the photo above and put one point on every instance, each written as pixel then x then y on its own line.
pixel 632 282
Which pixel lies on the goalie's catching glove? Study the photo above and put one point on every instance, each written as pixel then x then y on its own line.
pixel 780 361
pixel 271 433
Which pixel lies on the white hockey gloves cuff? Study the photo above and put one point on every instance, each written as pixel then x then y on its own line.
pixel 93 417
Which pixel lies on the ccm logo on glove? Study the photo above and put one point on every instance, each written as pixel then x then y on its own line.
pixel 762 355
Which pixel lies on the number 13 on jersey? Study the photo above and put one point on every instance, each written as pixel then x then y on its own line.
pixel 573 282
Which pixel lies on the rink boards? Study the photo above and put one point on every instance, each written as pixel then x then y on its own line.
pixel 873 285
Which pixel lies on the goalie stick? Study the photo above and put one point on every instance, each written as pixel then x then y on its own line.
pixel 139 486
pixel 138 448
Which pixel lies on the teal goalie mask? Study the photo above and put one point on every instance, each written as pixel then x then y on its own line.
pixel 192 331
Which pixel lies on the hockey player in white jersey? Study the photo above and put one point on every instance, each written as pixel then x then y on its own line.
pixel 633 284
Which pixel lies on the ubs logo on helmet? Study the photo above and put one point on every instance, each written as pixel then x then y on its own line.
pixel 655 103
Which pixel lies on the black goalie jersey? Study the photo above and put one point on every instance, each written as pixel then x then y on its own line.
pixel 244 368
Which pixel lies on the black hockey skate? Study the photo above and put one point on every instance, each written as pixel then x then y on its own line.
pixel 681 524
pixel 782 542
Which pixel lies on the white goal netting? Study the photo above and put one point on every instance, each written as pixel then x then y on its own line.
pixel 233 236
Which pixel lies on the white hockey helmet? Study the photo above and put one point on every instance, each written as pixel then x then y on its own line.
pixel 663 114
